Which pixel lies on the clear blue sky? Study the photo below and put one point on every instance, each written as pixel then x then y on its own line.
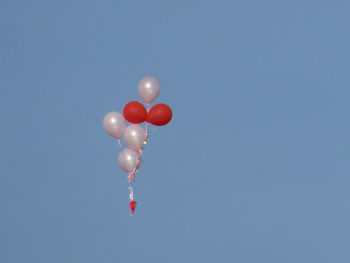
pixel 254 167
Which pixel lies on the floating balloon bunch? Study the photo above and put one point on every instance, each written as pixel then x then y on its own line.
pixel 136 136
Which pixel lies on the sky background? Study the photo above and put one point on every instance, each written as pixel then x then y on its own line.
pixel 254 167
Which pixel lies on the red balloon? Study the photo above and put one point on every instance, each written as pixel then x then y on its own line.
pixel 135 112
pixel 132 206
pixel 160 114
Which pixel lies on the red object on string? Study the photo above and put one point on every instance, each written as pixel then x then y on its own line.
pixel 132 206
pixel 160 114
pixel 135 112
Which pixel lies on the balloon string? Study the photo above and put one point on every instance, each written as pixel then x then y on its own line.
pixel 147 123
pixel 131 197
pixel 131 193
pixel 131 176
pixel 147 130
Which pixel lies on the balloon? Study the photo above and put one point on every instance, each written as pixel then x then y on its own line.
pixel 132 205
pixel 135 112
pixel 114 124
pixel 149 89
pixel 135 137
pixel 129 160
pixel 160 114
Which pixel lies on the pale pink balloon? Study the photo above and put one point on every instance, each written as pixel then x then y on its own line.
pixel 129 160
pixel 114 124
pixel 149 89
pixel 135 137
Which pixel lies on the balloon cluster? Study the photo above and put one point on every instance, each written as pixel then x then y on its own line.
pixel 136 136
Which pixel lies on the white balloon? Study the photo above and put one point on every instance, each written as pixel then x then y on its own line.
pixel 149 89
pixel 114 124
pixel 135 137
pixel 129 160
